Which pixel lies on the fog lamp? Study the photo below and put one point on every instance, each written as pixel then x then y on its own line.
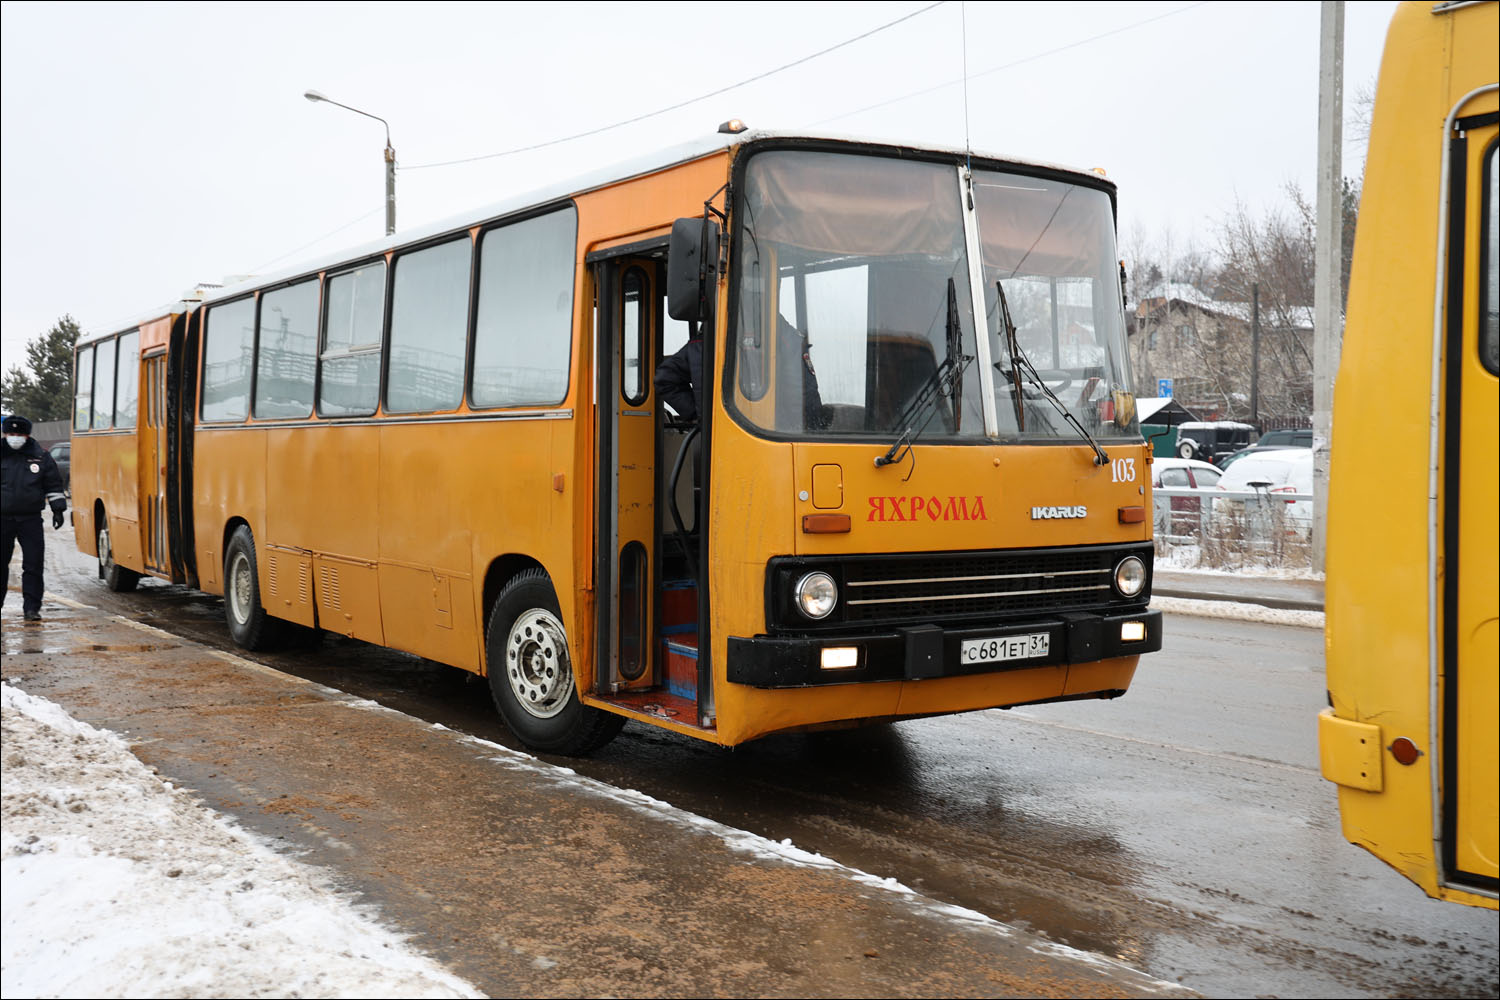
pixel 840 657
pixel 1132 631
pixel 816 595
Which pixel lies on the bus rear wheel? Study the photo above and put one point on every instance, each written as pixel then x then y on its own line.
pixel 249 625
pixel 531 672
pixel 116 577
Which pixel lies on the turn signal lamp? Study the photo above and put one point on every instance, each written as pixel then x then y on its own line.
pixel 823 524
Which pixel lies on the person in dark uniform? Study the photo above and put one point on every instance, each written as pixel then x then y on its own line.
pixel 29 480
pixel 679 379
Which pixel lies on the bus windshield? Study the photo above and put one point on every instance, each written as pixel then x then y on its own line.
pixel 844 325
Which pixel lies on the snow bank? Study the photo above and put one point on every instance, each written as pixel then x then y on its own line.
pixel 116 884
pixel 1237 611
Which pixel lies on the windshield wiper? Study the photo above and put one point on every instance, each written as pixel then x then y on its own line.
pixel 946 382
pixel 1021 365
pixel 1014 347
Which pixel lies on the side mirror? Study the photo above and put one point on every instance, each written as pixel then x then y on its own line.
pixel 692 269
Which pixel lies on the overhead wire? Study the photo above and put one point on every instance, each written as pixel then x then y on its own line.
pixel 963 9
pixel 1013 64
pixel 333 232
pixel 772 72
pixel 680 104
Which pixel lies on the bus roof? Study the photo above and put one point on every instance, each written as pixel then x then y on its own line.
pixel 614 173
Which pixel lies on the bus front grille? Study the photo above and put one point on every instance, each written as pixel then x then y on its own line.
pixel 978 585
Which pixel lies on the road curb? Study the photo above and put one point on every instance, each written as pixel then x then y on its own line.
pixel 1279 603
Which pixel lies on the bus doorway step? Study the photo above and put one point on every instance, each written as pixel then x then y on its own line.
pixel 657 703
pixel 677 700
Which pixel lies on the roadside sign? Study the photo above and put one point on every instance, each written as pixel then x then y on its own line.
pixel 1164 388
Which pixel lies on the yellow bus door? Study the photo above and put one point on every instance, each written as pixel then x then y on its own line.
pixel 1471 651
pixel 630 323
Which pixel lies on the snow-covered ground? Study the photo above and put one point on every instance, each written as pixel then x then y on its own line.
pixel 115 884
pixel 1238 611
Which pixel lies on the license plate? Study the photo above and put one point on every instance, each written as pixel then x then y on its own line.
pixel 1002 648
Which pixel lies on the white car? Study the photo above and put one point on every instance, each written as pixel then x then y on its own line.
pixel 1275 475
pixel 1180 515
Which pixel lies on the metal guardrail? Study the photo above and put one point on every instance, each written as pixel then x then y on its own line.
pixel 1162 491
pixel 1233 528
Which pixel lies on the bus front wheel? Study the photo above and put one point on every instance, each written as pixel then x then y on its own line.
pixel 531 672
pixel 249 625
pixel 115 577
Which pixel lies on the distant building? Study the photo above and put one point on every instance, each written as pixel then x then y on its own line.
pixel 1203 345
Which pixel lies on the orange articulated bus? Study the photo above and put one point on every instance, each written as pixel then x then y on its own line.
pixel 914 484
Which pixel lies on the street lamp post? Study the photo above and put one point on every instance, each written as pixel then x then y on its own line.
pixel 390 157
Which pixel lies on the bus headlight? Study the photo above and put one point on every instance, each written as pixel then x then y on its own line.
pixel 1130 576
pixel 816 595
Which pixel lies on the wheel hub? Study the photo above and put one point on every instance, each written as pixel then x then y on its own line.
pixel 239 587
pixel 536 663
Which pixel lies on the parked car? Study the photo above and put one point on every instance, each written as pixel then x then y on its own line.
pixel 1180 515
pixel 1209 441
pixel 62 454
pixel 1271 440
pixel 1277 474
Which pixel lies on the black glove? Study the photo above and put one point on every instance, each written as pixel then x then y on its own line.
pixel 57 515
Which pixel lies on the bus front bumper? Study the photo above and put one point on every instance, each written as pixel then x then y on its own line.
pixel 927 651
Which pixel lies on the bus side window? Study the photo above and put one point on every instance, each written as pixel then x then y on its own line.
pixel 104 385
pixel 83 397
pixel 429 328
pixel 287 352
pixel 523 328
pixel 127 383
pixel 351 342
pixel 228 342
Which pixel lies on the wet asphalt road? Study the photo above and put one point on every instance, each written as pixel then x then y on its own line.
pixel 1182 829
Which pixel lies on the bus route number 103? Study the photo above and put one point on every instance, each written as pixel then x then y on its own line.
pixel 1122 470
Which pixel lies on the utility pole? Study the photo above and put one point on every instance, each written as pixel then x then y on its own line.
pixel 1255 354
pixel 1328 320
pixel 390 157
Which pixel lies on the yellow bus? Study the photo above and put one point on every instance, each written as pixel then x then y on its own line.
pixel 1411 738
pixel 915 483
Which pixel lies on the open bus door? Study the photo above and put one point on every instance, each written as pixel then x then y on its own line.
pixel 646 557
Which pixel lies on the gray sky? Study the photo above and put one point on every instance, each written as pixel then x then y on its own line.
pixel 146 147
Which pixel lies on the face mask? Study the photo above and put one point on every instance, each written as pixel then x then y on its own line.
pixel 15 440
